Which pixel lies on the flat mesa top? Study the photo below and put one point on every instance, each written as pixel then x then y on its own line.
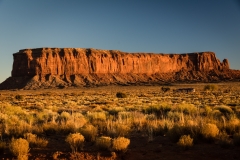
pixel 92 49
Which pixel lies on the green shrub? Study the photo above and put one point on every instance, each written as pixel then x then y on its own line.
pixel 209 131
pixel 76 141
pixel 185 141
pixel 120 144
pixel 20 148
pixel 121 95
pixel 104 143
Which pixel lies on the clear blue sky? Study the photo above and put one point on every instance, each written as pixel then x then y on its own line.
pixel 160 26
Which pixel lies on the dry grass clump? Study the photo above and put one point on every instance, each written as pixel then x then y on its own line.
pixel 116 110
pixel 35 141
pixel 188 128
pixel 104 143
pixel 50 128
pixel 96 116
pixel 176 132
pixel 210 87
pixel 209 131
pixel 188 109
pixel 20 148
pixel 160 110
pixel 120 144
pixel 89 132
pixel 116 129
pixel 225 110
pixel 185 141
pixel 64 117
pixel 76 141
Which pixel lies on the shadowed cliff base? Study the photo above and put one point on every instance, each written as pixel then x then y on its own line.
pixel 75 67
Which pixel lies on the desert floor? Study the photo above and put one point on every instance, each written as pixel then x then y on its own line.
pixel 144 145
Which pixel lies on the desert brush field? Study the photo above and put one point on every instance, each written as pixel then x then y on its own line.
pixel 121 122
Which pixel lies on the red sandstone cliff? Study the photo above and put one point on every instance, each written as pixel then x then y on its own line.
pixel 54 67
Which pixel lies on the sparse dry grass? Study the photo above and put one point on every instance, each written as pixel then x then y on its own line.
pixel 146 111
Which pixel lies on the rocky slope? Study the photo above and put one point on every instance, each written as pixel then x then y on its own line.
pixel 64 67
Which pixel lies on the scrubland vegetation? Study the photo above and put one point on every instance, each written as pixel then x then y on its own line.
pixel 102 120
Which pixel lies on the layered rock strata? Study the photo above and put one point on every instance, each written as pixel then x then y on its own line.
pixel 62 67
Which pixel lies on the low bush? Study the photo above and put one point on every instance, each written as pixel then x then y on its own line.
pixel 185 141
pixel 104 143
pixel 64 116
pixel 175 133
pixel 76 141
pixel 35 141
pixel 19 97
pixel 210 87
pixel 120 144
pixel 20 148
pixel 121 95
pixel 165 89
pixel 225 110
pixel 209 131
pixel 96 116
pixel 89 132
pixel 160 110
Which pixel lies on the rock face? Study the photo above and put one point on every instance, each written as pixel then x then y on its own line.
pixel 61 67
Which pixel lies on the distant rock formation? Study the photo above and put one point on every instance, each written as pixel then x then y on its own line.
pixel 65 67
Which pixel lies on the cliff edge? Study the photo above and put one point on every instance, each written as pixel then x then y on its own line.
pixel 65 67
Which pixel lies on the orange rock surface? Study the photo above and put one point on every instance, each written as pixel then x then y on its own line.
pixel 61 67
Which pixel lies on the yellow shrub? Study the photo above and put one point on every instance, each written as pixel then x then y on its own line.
pixel 209 131
pixel 76 141
pixel 20 148
pixel 120 144
pixel 185 141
